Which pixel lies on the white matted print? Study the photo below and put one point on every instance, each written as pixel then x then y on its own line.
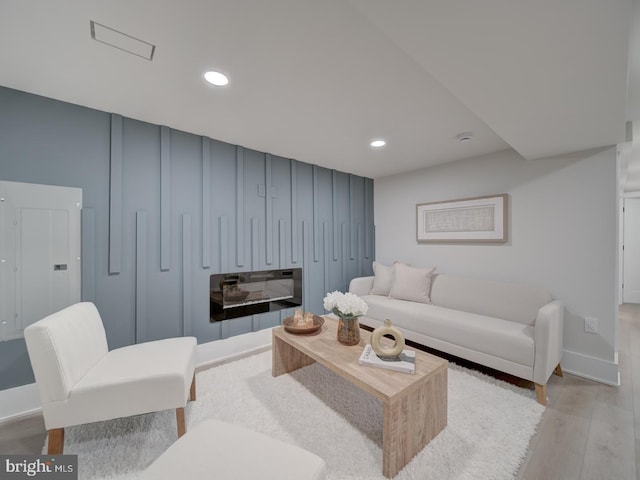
pixel 468 220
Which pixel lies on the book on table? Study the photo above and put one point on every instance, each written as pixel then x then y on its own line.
pixel 405 362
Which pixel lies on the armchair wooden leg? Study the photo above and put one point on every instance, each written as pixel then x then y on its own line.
pixel 56 441
pixel 192 392
pixel 558 371
pixel 182 428
pixel 541 394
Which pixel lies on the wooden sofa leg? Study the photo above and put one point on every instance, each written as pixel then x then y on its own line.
pixel 192 391
pixel 56 441
pixel 558 371
pixel 182 428
pixel 541 394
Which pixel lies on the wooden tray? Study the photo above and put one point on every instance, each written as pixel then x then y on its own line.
pixel 291 328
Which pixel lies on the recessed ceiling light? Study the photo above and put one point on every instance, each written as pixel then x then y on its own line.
pixel 378 143
pixel 216 78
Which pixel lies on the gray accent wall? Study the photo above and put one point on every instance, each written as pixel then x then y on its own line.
pixel 164 209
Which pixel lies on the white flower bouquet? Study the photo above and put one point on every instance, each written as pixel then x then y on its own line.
pixel 345 305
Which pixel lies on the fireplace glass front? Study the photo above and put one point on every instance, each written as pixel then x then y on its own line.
pixel 233 295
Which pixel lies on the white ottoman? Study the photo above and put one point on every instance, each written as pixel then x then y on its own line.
pixel 214 449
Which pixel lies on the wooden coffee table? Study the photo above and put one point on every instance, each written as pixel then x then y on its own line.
pixel 414 406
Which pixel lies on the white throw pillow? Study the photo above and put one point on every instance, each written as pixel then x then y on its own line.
pixel 382 280
pixel 411 283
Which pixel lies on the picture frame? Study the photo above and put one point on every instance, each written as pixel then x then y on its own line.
pixel 466 220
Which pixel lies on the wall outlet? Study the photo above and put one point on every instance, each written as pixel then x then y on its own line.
pixel 590 325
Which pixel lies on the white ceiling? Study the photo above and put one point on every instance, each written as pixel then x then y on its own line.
pixel 317 80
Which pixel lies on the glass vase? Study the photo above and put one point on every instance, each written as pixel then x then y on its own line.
pixel 348 331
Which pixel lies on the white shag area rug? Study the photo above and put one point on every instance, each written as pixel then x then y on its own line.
pixel 489 426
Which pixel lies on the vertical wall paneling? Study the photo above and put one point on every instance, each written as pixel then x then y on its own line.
pixel 167 208
pixel 115 195
pixel 224 328
pixel 334 213
pixel 316 214
pixel 282 244
pixel 165 198
pixel 255 261
pixel 325 255
pixel 206 203
pixel 88 265
pixel 359 250
pixel 239 206
pixel 187 282
pixel 368 214
pixel 307 246
pixel 294 212
pixel 343 243
pixel 255 243
pixel 141 276
pixel 352 233
pixel 224 244
pixel 372 236
pixel 269 194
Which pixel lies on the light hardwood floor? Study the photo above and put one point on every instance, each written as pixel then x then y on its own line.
pixel 589 430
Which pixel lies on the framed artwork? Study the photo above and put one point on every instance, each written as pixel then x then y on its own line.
pixel 466 220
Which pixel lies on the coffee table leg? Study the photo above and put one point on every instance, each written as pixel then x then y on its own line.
pixel 411 421
pixel 286 359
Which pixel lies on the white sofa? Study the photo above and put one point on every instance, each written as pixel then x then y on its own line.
pixel 509 327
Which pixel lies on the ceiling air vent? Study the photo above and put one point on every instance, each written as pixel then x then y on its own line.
pixel 121 41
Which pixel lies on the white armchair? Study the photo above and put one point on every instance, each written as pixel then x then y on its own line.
pixel 81 381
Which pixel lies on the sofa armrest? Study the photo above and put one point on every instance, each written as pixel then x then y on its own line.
pixel 548 341
pixel 361 285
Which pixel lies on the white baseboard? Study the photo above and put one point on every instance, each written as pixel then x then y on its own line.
pixel 24 401
pixel 232 348
pixel 592 368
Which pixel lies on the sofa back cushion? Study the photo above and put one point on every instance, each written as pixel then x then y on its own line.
pixel 382 280
pixel 509 301
pixel 411 283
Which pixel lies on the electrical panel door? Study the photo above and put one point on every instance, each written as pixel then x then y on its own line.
pixel 39 253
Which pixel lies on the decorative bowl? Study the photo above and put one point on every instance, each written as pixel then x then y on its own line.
pixel 290 327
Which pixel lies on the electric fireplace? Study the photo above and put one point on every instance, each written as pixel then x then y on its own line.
pixel 238 294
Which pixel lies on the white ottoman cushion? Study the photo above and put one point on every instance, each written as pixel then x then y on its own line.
pixel 214 449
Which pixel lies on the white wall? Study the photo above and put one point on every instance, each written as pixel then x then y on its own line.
pixel 562 235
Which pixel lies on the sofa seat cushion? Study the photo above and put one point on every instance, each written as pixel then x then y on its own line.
pixel 120 385
pixel 508 340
